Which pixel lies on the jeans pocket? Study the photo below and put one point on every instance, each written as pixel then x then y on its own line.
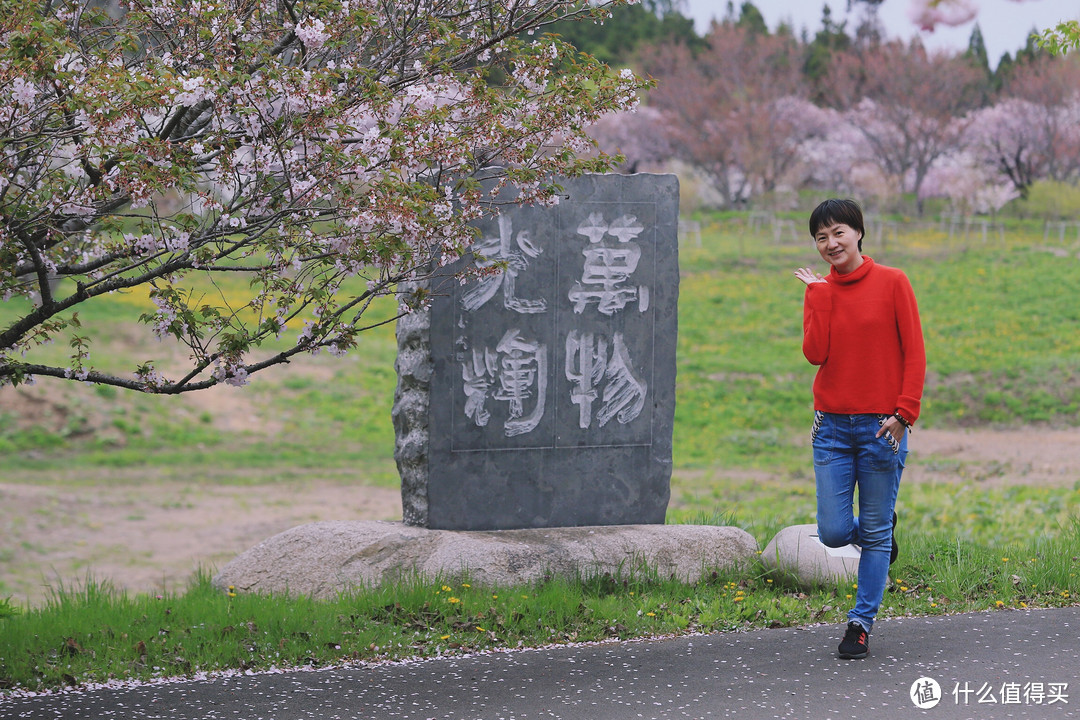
pixel 894 444
pixel 886 449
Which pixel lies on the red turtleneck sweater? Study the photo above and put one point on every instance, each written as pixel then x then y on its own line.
pixel 863 330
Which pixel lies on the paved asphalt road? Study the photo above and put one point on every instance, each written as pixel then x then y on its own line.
pixel 1005 664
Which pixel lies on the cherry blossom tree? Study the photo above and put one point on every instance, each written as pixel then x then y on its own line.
pixel 1051 87
pixel 1033 131
pixel 912 107
pixel 308 145
pixel 832 152
pixel 725 106
pixel 970 185
pixel 695 111
pixel 1010 136
pixel 772 134
pixel 638 136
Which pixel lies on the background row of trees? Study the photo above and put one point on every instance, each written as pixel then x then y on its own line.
pixel 846 110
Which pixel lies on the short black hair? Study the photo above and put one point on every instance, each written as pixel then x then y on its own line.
pixel 834 211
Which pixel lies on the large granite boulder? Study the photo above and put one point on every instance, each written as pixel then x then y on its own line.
pixel 796 550
pixel 321 559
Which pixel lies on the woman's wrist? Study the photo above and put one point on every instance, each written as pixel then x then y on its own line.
pixel 902 420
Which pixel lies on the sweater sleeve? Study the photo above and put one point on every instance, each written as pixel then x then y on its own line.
pixel 912 348
pixel 817 311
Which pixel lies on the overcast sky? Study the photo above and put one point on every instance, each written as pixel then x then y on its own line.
pixel 1005 25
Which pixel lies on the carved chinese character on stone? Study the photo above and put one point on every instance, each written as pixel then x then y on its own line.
pixel 515 373
pixel 596 375
pixel 516 252
pixel 609 265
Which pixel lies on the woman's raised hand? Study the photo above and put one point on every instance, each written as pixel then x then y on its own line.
pixel 808 276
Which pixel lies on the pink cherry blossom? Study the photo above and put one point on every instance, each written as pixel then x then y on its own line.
pixel 928 13
pixel 971 186
pixel 22 92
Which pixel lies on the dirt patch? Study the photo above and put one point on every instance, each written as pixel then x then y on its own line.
pixel 1005 457
pixel 153 536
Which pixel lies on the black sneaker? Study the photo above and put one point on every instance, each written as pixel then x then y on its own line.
pixel 895 548
pixel 855 644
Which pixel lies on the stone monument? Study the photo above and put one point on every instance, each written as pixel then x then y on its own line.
pixel 534 407
pixel 543 394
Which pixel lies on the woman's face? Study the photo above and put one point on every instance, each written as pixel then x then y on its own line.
pixel 839 246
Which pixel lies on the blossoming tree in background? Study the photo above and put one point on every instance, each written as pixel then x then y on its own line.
pixel 971 186
pixel 638 136
pixel 325 150
pixel 1052 86
pixel 726 108
pixel 912 107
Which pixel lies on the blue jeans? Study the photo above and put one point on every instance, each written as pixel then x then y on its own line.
pixel 846 455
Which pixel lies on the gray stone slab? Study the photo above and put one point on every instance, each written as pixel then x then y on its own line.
pixel 323 559
pixel 546 397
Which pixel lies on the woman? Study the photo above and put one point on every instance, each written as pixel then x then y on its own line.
pixel 861 327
